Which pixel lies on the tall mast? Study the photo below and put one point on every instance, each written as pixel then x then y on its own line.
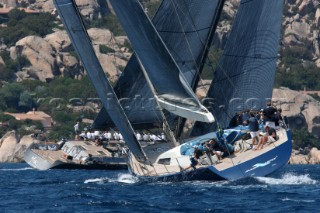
pixel 81 42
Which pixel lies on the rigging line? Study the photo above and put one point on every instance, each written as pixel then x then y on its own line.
pixel 184 32
pixel 223 71
pixel 179 20
pixel 221 68
pixel 230 77
pixel 197 68
pixel 238 74
pixel 225 143
pixel 119 47
pixel 252 57
pixel 175 8
pixel 225 110
pixel 227 77
pixel 204 44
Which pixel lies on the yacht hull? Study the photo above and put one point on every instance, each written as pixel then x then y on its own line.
pixel 47 160
pixel 259 166
pixel 39 162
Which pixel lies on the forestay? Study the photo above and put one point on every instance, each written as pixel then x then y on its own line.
pixel 72 21
pixel 245 75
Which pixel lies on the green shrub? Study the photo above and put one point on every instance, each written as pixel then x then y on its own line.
pixel 5 117
pixel 211 64
pixel 11 66
pixel 21 24
pixel 105 49
pixel 128 46
pixel 7 74
pixel 108 22
pixel 302 138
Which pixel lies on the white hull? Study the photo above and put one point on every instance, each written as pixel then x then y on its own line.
pixel 72 156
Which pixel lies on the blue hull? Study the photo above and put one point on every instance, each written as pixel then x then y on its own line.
pixel 260 166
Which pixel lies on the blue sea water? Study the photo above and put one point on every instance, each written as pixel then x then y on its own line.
pixel 295 188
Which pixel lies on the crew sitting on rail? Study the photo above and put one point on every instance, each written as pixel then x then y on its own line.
pixel 269 136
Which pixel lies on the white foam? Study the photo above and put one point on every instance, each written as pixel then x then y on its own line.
pixel 97 180
pixel 288 179
pixel 122 178
pixel 296 200
pixel 20 169
pixel 127 178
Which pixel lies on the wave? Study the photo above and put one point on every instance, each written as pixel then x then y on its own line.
pixel 18 169
pixel 97 180
pixel 127 178
pixel 122 178
pixel 289 179
pixel 296 200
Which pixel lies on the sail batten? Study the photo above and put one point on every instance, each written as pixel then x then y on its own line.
pixel 247 63
pixel 81 42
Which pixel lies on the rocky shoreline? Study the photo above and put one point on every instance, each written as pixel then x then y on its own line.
pixel 12 149
pixel 305 157
pixel 50 55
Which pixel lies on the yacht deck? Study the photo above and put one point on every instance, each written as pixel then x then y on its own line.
pixel 242 154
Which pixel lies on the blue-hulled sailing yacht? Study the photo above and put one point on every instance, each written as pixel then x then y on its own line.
pixel 159 81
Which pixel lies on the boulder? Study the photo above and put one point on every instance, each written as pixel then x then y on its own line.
pixel 303 7
pixel 27 140
pixel 221 36
pixel 70 65
pixel 51 56
pixel 300 29
pixel 291 40
pixel 8 148
pixel 8 3
pixel 203 88
pixel 299 159
pixel 301 109
pixel 22 75
pixel 12 149
pixel 121 40
pixel 110 65
pixel 317 18
pixel 39 52
pixel 103 37
pixel 60 41
pixel 318 63
pixel 13 53
pixel 296 17
pixel 314 156
pixel 229 8
pixel 48 6
pixel 89 8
